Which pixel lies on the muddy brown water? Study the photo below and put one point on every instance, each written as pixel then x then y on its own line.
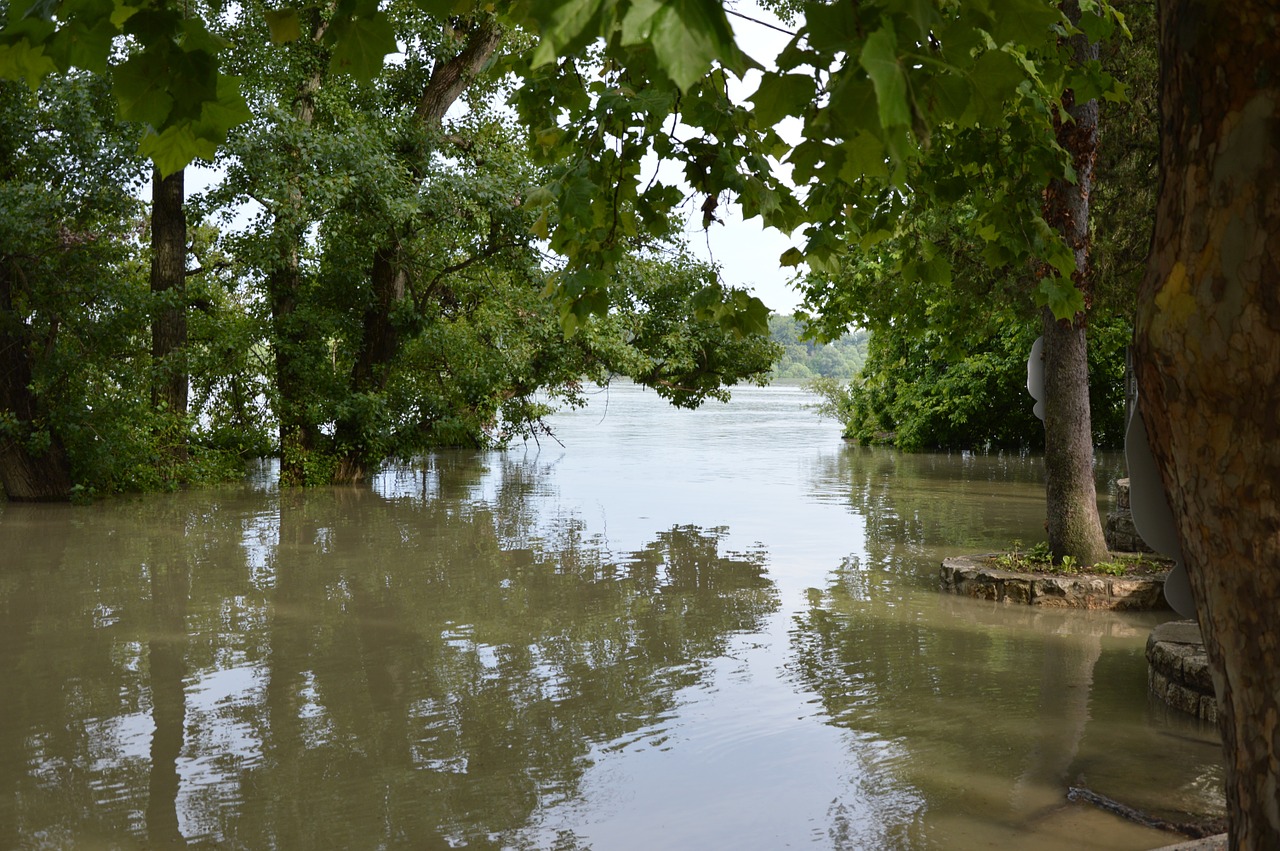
pixel 685 630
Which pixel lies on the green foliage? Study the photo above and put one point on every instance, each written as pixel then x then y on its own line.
pixel 934 390
pixel 805 359
pixel 78 297
pixel 1038 559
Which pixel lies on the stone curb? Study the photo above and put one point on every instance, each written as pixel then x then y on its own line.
pixel 970 576
pixel 1178 670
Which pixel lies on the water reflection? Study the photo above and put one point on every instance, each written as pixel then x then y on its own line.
pixel 428 663
pixel 981 715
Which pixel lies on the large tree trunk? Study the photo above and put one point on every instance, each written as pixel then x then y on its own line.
pixel 290 346
pixel 28 472
pixel 170 379
pixel 292 343
pixel 1208 345
pixel 1073 523
pixel 168 282
pixel 379 343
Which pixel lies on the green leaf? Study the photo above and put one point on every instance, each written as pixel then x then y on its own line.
pixel 791 257
pixel 879 58
pixel 1061 297
pixel 564 24
pixel 688 36
pixel 781 95
pixel 361 45
pixel 1024 22
pixel 139 84
pixel 864 157
pixel 284 24
pixel 539 196
pixel 78 45
pixel 218 117
pixel 175 148
pixel 995 78
pixel 122 13
pixel 19 61
pixel 920 12
pixel 831 27
pixel 950 96
pixel 637 24
pixel 1096 25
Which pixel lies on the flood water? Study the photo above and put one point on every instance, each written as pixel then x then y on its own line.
pixel 717 629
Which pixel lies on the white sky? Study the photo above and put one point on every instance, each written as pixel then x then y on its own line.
pixel 747 251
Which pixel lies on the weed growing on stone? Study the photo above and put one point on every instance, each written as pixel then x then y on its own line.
pixel 1036 559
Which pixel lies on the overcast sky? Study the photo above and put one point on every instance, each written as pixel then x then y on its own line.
pixel 746 251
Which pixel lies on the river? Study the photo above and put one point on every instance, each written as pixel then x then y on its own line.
pixel 661 629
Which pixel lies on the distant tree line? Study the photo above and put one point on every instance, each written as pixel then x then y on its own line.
pixel 804 359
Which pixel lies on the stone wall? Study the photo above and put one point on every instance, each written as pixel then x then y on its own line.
pixel 971 576
pixel 1178 669
pixel 1122 536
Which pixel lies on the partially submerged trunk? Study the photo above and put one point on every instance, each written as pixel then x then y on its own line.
pixel 380 340
pixel 169 382
pixel 1073 523
pixel 1208 346
pixel 31 470
pixel 292 342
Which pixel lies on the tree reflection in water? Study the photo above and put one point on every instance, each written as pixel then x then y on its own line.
pixel 974 709
pixel 426 664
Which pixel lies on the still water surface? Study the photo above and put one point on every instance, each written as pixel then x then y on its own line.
pixel 684 630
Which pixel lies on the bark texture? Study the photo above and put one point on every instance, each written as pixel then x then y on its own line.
pixel 1073 523
pixel 168 280
pixel 1208 346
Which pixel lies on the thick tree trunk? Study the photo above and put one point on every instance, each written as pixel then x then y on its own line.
pixel 1208 345
pixel 289 344
pixel 1073 523
pixel 380 341
pixel 1071 495
pixel 27 473
pixel 168 283
pixel 292 343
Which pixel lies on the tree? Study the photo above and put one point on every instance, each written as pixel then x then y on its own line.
pixel 1208 350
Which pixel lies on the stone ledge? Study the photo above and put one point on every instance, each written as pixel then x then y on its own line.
pixel 970 576
pixel 1178 670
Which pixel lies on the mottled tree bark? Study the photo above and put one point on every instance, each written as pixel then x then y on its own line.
pixel 1208 347
pixel 1072 520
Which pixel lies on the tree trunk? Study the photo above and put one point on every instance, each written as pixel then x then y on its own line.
pixel 170 379
pixel 289 343
pixel 29 471
pixel 380 341
pixel 1071 496
pixel 1208 352
pixel 1073 523
pixel 292 343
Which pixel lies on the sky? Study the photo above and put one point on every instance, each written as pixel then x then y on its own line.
pixel 746 251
